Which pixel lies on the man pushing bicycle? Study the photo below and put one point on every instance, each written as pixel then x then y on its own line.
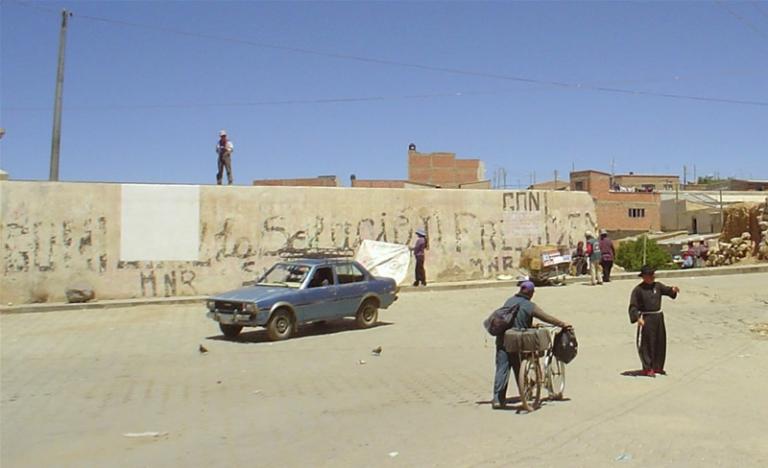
pixel 526 311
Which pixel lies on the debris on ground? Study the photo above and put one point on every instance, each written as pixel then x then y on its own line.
pixel 202 349
pixel 394 454
pixel 376 351
pixel 624 457
pixel 79 292
pixel 149 434
pixel 760 329
pixel 361 362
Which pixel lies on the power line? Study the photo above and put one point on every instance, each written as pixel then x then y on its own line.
pixel 740 18
pixel 333 100
pixel 760 9
pixel 448 70
pixel 261 103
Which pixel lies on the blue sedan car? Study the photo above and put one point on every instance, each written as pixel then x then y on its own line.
pixel 303 291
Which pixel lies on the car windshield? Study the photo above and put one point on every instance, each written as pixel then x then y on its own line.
pixel 285 274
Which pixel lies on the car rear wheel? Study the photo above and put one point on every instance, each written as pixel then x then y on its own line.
pixel 229 330
pixel 368 314
pixel 280 326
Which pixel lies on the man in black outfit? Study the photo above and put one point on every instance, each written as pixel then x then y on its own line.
pixel 645 310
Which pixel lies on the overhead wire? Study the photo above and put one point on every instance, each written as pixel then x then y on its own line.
pixel 741 19
pixel 449 70
pixel 759 8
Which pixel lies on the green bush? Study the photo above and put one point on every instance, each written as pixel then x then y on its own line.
pixel 630 255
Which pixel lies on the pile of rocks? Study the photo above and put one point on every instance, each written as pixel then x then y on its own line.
pixel 728 253
pixel 762 222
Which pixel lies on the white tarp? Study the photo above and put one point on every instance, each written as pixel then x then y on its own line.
pixel 385 259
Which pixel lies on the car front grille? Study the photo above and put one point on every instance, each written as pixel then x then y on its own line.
pixel 223 306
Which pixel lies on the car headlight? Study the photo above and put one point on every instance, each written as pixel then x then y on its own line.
pixel 210 304
pixel 252 308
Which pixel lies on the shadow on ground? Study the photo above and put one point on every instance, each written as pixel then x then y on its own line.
pixel 259 335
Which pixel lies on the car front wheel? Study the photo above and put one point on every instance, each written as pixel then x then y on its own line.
pixel 280 326
pixel 368 314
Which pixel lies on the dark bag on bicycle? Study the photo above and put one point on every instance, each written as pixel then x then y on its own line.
pixel 500 320
pixel 565 346
pixel 526 340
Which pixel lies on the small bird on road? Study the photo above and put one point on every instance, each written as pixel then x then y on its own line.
pixel 376 351
pixel 202 349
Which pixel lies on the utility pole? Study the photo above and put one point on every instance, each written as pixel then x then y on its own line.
pixel 677 207
pixel 555 186
pixel 685 176
pixel 56 136
pixel 722 211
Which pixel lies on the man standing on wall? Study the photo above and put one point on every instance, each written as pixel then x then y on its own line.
pixel 608 254
pixel 224 149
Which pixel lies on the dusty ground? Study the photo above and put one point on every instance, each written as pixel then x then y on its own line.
pixel 74 382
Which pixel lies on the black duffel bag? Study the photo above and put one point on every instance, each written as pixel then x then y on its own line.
pixel 565 346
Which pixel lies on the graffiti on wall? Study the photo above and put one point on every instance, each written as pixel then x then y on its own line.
pixel 464 244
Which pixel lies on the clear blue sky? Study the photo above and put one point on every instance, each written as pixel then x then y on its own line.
pixel 116 73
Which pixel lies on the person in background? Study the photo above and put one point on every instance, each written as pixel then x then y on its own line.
pixel 224 149
pixel 505 361
pixel 419 248
pixel 608 254
pixel 645 310
pixel 579 260
pixel 593 252
pixel 689 256
pixel 702 253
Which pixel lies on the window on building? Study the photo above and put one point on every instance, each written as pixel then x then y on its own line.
pixel 579 185
pixel 637 212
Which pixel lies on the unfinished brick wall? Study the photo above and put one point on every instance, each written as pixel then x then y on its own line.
pixel 443 169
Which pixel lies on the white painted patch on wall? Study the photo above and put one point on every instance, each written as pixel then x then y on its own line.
pixel 159 222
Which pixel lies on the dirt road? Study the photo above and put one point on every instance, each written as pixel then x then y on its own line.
pixel 73 383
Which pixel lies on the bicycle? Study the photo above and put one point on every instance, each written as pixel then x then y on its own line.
pixel 533 373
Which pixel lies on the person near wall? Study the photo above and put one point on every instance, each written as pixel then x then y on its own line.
pixel 506 361
pixel 224 149
pixel 645 310
pixel 608 253
pixel 579 260
pixel 595 257
pixel 419 251
pixel 702 253
pixel 689 256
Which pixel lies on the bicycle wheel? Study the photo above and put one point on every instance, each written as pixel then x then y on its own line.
pixel 555 378
pixel 529 382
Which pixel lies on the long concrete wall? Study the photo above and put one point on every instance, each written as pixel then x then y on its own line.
pixel 128 240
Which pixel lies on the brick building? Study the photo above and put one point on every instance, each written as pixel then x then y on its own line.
pixel 619 212
pixel 645 183
pixel 444 169
pixel 385 183
pixel 322 181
